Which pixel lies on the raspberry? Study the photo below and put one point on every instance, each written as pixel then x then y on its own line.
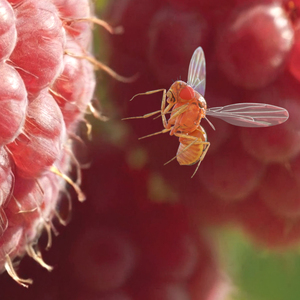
pixel 41 67
pixel 13 103
pixel 167 60
pixel 47 83
pixel 109 257
pixel 169 250
pixel 243 39
pixel 219 176
pixel 280 143
pixel 110 296
pixel 74 86
pixel 283 202
pixel 43 137
pixel 8 30
pixel 143 12
pixel 162 291
pixel 265 227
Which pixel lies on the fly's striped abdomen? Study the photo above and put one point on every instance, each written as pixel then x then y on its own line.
pixel 191 149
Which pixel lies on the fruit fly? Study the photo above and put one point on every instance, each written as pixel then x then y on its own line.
pixel 185 103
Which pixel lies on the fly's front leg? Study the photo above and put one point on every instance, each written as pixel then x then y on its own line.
pixel 149 93
pixel 174 114
pixel 178 111
pixel 144 116
pixel 149 114
pixel 164 109
pixel 155 133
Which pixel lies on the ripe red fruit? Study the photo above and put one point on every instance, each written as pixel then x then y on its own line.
pixel 280 190
pixel 278 143
pixel 168 29
pixel 168 246
pixel 39 67
pixel 254 44
pixel 126 9
pixel 8 32
pixel 7 183
pixel 74 88
pixel 44 133
pixel 13 103
pixel 107 258
pixel 265 227
pixel 35 37
pixel 294 61
pixel 218 174
pixel 116 295
pixel 162 291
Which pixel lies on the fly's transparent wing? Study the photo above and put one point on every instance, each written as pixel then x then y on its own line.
pixel 197 72
pixel 250 114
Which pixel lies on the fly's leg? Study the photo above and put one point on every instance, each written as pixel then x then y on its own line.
pixel 168 111
pixel 175 113
pixel 178 111
pixel 156 133
pixel 144 116
pixel 149 93
pixel 165 109
pixel 201 158
pixel 164 120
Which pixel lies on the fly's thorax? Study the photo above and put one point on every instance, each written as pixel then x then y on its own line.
pixel 189 119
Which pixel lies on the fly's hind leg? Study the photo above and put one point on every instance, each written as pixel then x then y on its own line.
pixel 201 158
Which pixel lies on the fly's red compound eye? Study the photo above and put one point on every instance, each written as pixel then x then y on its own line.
pixel 187 93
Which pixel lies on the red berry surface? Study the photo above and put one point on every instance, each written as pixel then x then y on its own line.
pixel 36 150
pixel 261 33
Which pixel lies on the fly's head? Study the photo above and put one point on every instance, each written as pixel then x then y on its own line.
pixel 181 91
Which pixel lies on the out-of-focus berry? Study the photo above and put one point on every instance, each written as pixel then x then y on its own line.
pixel 251 56
pixel 262 34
